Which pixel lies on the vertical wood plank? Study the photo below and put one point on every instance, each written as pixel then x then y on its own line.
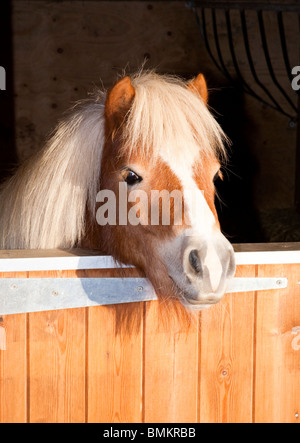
pixel 149 372
pixel 226 363
pixel 57 360
pixel 171 367
pixel 13 374
pixel 57 366
pixel 277 381
pixel 115 356
pixel 13 366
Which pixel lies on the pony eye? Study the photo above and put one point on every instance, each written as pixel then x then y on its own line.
pixel 131 178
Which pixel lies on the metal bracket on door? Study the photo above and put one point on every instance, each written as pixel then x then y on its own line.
pixel 22 295
pixel 257 284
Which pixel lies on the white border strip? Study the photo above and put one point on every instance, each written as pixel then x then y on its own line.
pixel 267 257
pixel 107 262
pixel 57 263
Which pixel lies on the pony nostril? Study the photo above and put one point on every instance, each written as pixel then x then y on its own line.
pixel 195 262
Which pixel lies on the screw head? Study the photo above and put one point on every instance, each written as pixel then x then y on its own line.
pixel 292 124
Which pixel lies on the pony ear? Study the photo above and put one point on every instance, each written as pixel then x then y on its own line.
pixel 118 102
pixel 198 84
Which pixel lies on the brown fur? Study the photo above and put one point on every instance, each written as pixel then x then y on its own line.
pixel 138 245
pixel 198 85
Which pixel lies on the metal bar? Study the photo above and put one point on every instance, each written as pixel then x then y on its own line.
pixel 203 30
pixel 268 59
pixel 234 59
pixel 215 29
pixel 266 6
pixel 253 70
pixel 245 85
pixel 22 295
pixel 257 284
pixel 46 294
pixel 221 64
pixel 283 46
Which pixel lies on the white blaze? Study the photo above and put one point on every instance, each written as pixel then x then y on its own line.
pixel 212 262
pixel 200 216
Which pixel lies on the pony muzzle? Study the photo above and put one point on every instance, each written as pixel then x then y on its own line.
pixel 208 266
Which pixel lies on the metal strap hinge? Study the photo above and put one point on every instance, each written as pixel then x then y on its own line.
pixel 21 295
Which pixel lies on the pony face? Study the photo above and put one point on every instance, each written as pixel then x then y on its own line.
pixel 159 163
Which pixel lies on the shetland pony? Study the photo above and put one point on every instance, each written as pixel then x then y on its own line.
pixel 151 132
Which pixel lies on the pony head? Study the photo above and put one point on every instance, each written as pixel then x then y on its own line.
pixel 153 149
pixel 162 152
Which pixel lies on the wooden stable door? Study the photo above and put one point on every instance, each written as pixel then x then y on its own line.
pixel 237 362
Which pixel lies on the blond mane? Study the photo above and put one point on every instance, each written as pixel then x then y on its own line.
pixel 44 204
pixel 166 116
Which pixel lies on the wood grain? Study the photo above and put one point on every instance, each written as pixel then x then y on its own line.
pixel 171 366
pixel 238 362
pixel 62 50
pixel 13 368
pixel 56 366
pixel 115 364
pixel 277 373
pixel 226 363
pixel 13 371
